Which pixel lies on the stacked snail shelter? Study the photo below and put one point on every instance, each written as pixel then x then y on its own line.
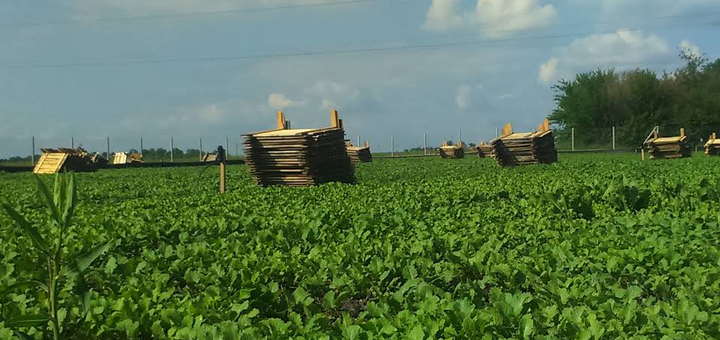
pixel 53 161
pixel 483 150
pixel 359 154
pixel 512 149
pixel 298 157
pixel 712 147
pixel 452 151
pixel 668 147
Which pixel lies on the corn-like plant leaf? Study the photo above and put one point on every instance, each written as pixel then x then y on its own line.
pixel 70 201
pixel 29 283
pixel 31 231
pixel 80 263
pixel 45 194
pixel 28 320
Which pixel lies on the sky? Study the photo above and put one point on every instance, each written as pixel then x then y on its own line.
pixel 86 70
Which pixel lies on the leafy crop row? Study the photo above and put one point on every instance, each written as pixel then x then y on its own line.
pixel 594 247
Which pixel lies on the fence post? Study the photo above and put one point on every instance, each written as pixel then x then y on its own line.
pixel 172 150
pixel 107 140
pixel 358 144
pixel 201 151
pixel 32 157
pixel 141 147
pixel 227 148
pixel 572 138
pixel 497 132
pixel 460 138
pixel 613 134
pixel 72 142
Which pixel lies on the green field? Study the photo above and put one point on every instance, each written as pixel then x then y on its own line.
pixel 593 247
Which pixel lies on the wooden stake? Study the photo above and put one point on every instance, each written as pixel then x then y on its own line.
pixel 334 119
pixel 642 153
pixel 222 177
pixel 281 121
pixel 682 132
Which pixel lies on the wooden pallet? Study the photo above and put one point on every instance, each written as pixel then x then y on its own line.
pixel 53 161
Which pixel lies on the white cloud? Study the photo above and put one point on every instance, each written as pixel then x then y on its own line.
pixel 333 95
pixel 464 96
pixel 495 17
pixel 691 48
pixel 279 101
pixel 442 16
pixel 621 50
pixel 212 113
pixel 548 70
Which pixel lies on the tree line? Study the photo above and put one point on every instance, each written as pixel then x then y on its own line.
pixel 636 101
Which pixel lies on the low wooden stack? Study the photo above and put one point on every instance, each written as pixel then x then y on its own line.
pixel 712 147
pixel 669 147
pixel 298 157
pixel 452 151
pixel 512 149
pixel 483 150
pixel 127 158
pixel 359 154
pixel 53 161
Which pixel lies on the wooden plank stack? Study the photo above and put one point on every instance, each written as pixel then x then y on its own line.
pixel 483 150
pixel 512 149
pixel 712 147
pixel 299 157
pixel 669 147
pixel 53 161
pixel 127 158
pixel 359 154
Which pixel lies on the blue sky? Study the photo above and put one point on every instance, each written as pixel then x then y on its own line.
pixel 147 68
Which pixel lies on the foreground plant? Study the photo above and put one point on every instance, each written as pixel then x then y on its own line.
pixel 61 206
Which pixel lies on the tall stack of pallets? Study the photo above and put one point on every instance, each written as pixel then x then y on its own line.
pixel 712 147
pixel 359 154
pixel 669 147
pixel 512 149
pixel 53 161
pixel 298 157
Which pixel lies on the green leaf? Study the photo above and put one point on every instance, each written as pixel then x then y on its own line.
pixel 84 292
pixel 28 283
pixel 526 324
pixel 49 202
pixel 70 201
pixel 37 239
pixel 416 333
pixel 27 321
pixel 22 335
pixel 82 262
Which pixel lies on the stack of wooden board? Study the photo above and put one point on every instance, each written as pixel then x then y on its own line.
pixel 483 150
pixel 99 160
pixel 511 149
pixel 448 151
pixel 712 147
pixel 298 157
pixel 669 147
pixel 127 158
pixel 359 154
pixel 53 161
